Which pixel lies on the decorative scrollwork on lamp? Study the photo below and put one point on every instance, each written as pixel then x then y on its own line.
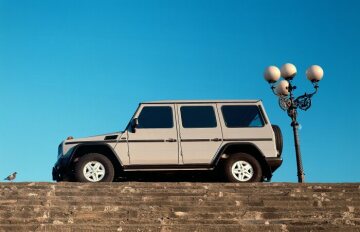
pixel 303 102
pixel 284 103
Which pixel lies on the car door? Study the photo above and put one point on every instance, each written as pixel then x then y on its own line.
pixel 200 132
pixel 154 140
pixel 246 123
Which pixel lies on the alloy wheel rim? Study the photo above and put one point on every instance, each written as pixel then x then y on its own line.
pixel 242 171
pixel 94 171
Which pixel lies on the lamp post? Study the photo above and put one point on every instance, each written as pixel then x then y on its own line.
pixel 288 102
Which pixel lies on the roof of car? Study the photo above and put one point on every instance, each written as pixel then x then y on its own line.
pixel 200 101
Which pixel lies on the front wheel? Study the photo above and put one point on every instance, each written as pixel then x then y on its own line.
pixel 94 167
pixel 242 167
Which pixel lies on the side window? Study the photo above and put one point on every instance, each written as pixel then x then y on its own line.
pixel 156 117
pixel 242 116
pixel 198 117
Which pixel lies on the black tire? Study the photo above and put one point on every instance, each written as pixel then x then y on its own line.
pixel 278 138
pixel 256 168
pixel 96 157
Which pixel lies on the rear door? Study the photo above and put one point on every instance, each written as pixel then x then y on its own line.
pixel 199 131
pixel 245 123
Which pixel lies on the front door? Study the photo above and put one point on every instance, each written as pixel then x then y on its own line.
pixel 154 140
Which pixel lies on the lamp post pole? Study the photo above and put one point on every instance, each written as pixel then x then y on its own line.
pixel 292 112
pixel 284 90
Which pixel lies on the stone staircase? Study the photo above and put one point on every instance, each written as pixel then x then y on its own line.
pixel 143 206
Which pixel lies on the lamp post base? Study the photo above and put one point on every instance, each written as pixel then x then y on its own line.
pixel 301 177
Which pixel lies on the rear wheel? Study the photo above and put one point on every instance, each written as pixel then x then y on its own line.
pixel 242 167
pixel 94 167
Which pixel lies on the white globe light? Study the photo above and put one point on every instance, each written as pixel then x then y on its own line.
pixel 272 74
pixel 314 73
pixel 288 71
pixel 282 88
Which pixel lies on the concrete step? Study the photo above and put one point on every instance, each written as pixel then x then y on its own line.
pixel 179 227
pixel 28 193
pixel 138 228
pixel 187 205
pixel 10 209
pixel 108 190
pixel 186 185
pixel 151 214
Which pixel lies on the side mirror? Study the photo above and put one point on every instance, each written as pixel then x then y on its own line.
pixel 134 124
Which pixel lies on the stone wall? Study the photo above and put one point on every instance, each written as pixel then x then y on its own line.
pixel 142 206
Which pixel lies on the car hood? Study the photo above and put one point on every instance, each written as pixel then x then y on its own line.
pixel 98 138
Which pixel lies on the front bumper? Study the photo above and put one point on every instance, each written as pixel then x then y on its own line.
pixel 62 169
pixel 56 174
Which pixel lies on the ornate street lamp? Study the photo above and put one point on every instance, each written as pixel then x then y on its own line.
pixel 284 90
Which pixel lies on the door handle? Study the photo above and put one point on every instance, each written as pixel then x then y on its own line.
pixel 216 139
pixel 171 140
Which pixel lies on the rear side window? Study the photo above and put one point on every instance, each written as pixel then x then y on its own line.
pixel 242 116
pixel 156 117
pixel 198 117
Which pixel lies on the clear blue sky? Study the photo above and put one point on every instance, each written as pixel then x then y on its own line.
pixel 81 67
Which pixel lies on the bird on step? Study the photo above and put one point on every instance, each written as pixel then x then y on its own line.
pixel 11 177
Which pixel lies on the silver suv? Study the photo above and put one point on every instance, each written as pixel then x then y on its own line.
pixel 234 136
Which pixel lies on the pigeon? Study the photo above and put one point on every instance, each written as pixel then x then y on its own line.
pixel 11 177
